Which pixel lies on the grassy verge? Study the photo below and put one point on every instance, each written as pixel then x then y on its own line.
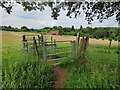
pixel 21 69
pixel 98 70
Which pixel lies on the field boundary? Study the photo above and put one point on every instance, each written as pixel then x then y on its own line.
pixel 41 45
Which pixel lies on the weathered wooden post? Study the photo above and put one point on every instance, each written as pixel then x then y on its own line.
pixel 55 42
pixel 86 44
pixel 42 39
pixel 25 43
pixel 35 47
pixel 24 39
pixel 82 43
pixel 44 51
pixel 78 38
pixel 73 49
pixel 33 42
pixel 51 39
pixel 78 43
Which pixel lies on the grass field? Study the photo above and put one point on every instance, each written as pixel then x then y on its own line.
pixel 98 70
pixel 20 69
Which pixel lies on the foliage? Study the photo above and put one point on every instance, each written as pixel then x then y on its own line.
pixel 24 28
pixel 98 9
pixel 9 28
pixel 102 33
pixel 110 33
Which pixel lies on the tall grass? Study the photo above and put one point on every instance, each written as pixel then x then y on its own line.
pixel 23 70
pixel 99 69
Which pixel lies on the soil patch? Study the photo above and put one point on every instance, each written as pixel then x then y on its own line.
pixel 59 76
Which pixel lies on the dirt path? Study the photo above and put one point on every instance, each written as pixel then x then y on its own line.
pixel 59 76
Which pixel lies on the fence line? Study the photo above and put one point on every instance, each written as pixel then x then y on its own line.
pixel 72 52
pixel 52 44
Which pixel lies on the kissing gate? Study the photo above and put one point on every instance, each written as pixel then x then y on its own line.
pixel 49 50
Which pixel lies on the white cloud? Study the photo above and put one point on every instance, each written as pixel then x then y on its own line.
pixel 38 19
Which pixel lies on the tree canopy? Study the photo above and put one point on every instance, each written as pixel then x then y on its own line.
pixel 100 10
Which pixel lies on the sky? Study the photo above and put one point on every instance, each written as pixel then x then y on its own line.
pixel 38 19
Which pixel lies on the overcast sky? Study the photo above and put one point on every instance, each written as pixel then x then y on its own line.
pixel 37 19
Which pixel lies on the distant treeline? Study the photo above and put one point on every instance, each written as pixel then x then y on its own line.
pixel 110 33
pixel 25 29
pixel 63 31
pixel 22 29
pixel 98 32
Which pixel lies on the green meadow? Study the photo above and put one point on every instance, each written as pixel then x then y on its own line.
pixel 99 68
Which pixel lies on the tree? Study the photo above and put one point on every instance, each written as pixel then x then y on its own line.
pixel 55 27
pixel 24 28
pixel 101 10
pixel 73 27
pixel 81 27
pixel 59 27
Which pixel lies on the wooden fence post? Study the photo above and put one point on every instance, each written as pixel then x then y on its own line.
pixel 55 42
pixel 33 42
pixel 42 39
pixel 73 48
pixel 82 43
pixel 35 46
pixel 25 43
pixel 78 38
pixel 24 39
pixel 44 50
pixel 51 40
